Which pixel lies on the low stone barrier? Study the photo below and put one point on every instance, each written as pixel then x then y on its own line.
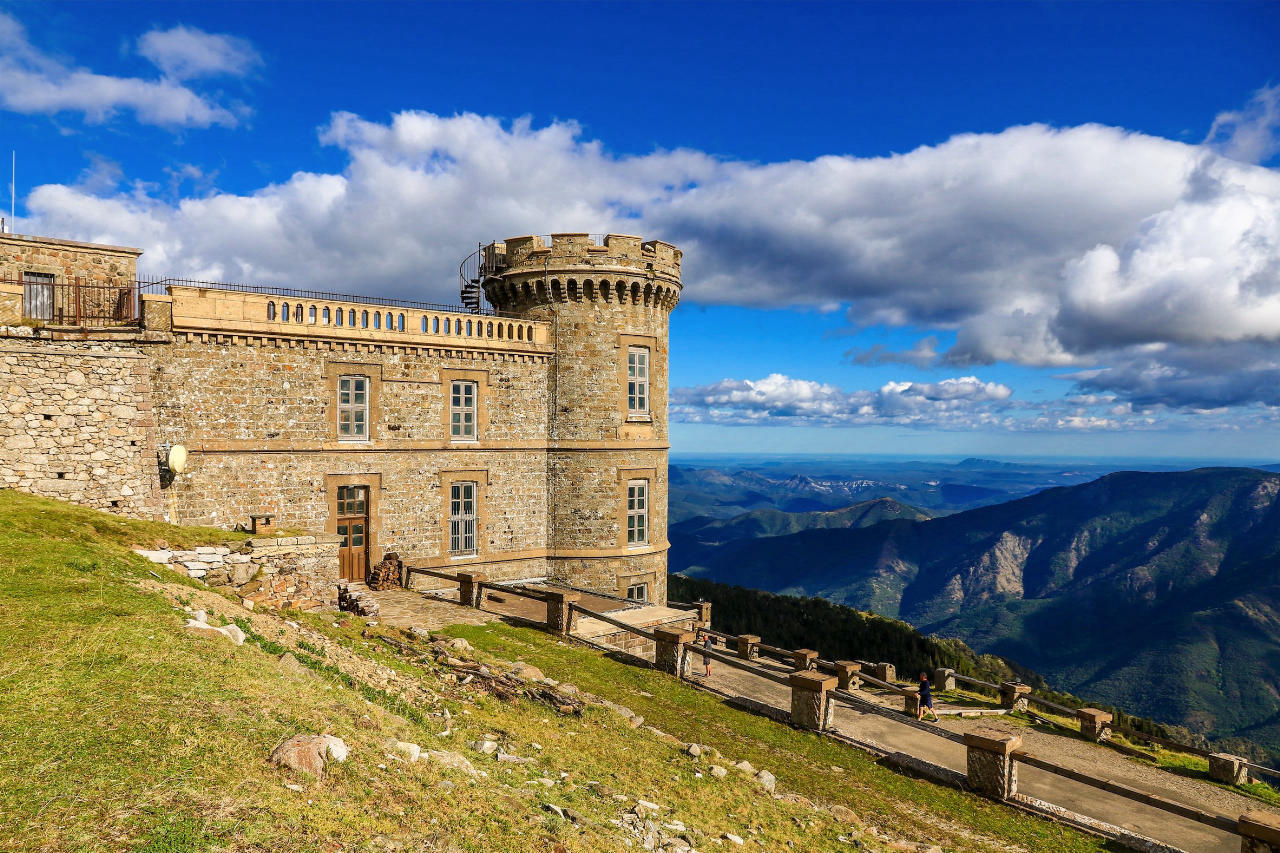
pixel 298 572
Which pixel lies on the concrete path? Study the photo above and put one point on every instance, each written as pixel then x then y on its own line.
pixel 1066 751
pixel 406 608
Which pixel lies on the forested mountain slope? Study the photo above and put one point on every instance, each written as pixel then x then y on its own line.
pixel 1158 592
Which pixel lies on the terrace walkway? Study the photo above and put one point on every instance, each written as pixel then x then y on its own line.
pixel 890 736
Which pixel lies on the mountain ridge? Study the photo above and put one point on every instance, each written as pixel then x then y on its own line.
pixel 1158 592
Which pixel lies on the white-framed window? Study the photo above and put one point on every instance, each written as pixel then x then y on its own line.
pixel 638 592
pixel 462 410
pixel 638 512
pixel 462 518
pixel 638 381
pixel 353 408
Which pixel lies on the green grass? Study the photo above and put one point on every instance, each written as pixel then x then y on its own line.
pixel 121 730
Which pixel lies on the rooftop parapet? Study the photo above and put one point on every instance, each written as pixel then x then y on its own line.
pixel 576 250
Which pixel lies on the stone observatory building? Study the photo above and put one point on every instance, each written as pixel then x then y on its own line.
pixel 525 438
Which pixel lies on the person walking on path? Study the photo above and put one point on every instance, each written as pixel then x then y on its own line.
pixel 706 660
pixel 926 699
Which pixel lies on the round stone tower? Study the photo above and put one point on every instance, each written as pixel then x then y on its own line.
pixel 609 305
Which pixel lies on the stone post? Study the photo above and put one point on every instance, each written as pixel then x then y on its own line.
pixel 669 653
pixel 911 701
pixel 1013 695
pixel 809 699
pixel 944 679
pixel 704 614
pixel 1095 725
pixel 1228 769
pixel 10 303
pixel 847 671
pixel 469 592
pixel 157 312
pixel 560 616
pixel 992 771
pixel 804 659
pixel 1259 832
pixel 884 671
pixel 748 646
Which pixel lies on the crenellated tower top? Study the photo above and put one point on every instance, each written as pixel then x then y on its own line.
pixel 521 273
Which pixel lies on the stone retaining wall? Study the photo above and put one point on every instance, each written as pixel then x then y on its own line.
pixel 299 572
pixel 76 423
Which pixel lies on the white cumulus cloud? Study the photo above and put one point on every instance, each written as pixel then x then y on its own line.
pixel 32 82
pixel 778 400
pixel 1135 261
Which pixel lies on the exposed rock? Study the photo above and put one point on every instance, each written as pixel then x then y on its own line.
pixel 745 766
pixel 302 754
pixel 766 780
pixel 337 748
pixel 231 632
pixel 452 760
pixel 526 672
pixel 289 663
pixel 410 751
pixel 718 771
pixel 485 745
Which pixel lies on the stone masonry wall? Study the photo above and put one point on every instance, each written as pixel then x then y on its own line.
pixel 291 572
pixel 76 424
pixel 259 424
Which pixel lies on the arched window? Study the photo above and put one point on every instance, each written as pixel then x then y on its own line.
pixel 520 333
pixel 337 315
pixel 311 314
pixel 435 325
pixel 284 312
pixel 399 322
pixel 500 335
pixel 297 313
pixel 325 314
pixel 377 319
pixel 488 331
pixel 468 328
pixel 271 311
pixel 510 331
pixel 364 319
pixel 529 334
pixel 424 324
pixel 457 327
pixel 351 317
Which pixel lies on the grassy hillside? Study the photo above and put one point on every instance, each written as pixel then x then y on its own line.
pixel 122 730
pixel 1156 592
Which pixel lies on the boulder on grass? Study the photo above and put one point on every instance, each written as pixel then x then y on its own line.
pixel 302 754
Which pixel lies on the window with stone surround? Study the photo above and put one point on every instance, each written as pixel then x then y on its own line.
pixel 638 592
pixel 637 512
pixel 637 381
pixel 326 315
pixel 284 312
pixel 353 408
pixel 462 518
pixel 351 318
pixel 311 314
pixel 271 311
pixel 462 411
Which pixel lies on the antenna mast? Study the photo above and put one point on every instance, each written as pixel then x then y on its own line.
pixel 13 190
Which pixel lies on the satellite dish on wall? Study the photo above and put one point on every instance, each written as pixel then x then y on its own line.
pixel 177 458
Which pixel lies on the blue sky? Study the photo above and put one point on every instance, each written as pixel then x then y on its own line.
pixel 1020 228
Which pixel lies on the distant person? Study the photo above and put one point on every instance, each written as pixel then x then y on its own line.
pixel 706 659
pixel 926 699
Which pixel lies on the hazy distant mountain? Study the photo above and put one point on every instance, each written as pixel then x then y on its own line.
pixel 702 534
pixel 1159 592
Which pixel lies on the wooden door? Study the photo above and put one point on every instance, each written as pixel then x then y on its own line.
pixel 353 527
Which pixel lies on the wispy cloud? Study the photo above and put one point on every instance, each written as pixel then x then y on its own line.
pixel 185 53
pixel 1251 134
pixel 34 83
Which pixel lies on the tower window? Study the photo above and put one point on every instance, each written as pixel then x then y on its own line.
pixel 638 592
pixel 326 316
pixel 638 512
pixel 311 314
pixel 462 410
pixel 284 312
pixel 462 518
pixel 353 408
pixel 638 381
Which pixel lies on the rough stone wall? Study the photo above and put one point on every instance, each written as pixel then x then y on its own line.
pixel 289 572
pixel 76 424
pixel 601 300
pixel 67 259
pixel 258 422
